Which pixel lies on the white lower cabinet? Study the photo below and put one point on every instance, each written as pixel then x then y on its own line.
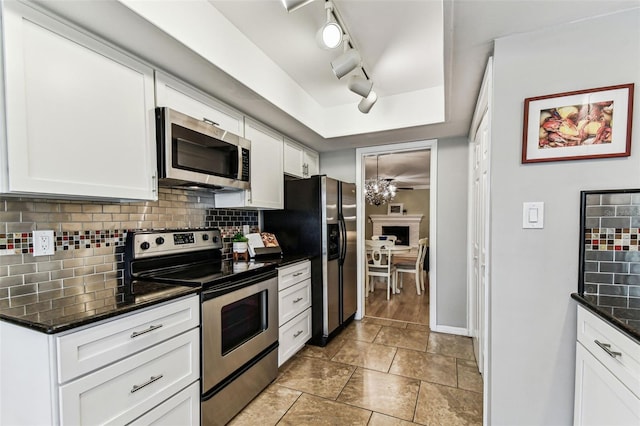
pixel 142 367
pixel 294 309
pixel 607 375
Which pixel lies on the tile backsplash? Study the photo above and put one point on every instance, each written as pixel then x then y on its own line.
pixel 611 267
pixel 89 241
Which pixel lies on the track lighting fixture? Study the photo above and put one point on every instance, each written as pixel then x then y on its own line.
pixel 367 103
pixel 360 85
pixel 329 36
pixel 292 5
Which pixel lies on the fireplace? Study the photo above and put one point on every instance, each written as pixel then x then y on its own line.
pixel 401 232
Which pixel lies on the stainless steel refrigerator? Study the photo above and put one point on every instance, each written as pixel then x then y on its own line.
pixel 319 221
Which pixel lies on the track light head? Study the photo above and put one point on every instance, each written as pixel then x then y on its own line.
pixel 360 85
pixel 367 103
pixel 330 35
pixel 346 63
pixel 292 5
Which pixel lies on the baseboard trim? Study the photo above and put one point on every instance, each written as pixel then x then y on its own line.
pixel 451 330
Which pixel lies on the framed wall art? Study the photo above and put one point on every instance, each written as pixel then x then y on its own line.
pixel 593 123
pixel 395 209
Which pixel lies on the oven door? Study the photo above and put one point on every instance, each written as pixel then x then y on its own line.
pixel 238 323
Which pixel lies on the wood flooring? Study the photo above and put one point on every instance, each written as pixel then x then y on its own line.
pixel 406 306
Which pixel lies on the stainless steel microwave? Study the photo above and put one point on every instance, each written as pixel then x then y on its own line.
pixel 194 152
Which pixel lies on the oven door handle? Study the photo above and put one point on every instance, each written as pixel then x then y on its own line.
pixel 236 285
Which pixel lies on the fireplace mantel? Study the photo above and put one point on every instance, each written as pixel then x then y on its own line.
pixel 410 220
pixel 396 218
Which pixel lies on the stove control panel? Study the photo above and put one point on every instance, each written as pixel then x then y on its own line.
pixel 160 243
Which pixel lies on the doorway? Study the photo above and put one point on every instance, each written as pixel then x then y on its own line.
pixel 406 306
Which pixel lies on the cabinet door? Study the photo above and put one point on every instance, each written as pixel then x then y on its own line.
pixel 122 392
pixel 293 158
pixel 79 114
pixel 267 185
pixel 600 398
pixel 174 94
pixel 311 163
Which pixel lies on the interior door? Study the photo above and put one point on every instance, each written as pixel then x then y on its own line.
pixel 480 194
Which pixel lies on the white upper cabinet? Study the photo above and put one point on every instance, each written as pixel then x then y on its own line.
pixel 177 95
pixel 267 184
pixel 299 161
pixel 311 162
pixel 78 119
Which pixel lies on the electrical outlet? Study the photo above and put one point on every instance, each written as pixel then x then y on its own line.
pixel 245 229
pixel 43 243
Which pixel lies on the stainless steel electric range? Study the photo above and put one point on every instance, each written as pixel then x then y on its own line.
pixel 239 312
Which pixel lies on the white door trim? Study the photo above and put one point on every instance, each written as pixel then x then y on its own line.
pixel 432 145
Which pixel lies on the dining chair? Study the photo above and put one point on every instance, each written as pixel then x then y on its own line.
pixel 416 268
pixel 379 265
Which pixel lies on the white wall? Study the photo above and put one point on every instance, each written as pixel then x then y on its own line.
pixel 532 318
pixel 451 211
pixel 339 165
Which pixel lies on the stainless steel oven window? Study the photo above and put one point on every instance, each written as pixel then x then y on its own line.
pixel 242 320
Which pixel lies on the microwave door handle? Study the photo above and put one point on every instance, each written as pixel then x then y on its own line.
pixel 209 121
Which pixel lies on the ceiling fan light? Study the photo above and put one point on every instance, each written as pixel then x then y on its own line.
pixel 360 85
pixel 292 5
pixel 367 103
pixel 346 63
pixel 330 35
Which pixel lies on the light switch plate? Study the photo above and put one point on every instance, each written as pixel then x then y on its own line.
pixel 43 243
pixel 533 215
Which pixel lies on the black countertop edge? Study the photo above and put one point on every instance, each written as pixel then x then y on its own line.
pixel 632 332
pixel 148 294
pixel 290 260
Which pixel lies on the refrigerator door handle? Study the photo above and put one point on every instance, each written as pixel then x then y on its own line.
pixel 343 239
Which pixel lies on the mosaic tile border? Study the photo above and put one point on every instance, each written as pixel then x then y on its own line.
pixel 22 243
pixel 612 239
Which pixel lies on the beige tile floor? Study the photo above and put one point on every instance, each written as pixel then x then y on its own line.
pixel 376 372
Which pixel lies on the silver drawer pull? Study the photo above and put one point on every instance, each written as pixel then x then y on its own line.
pixel 605 347
pixel 151 328
pixel 297 274
pixel 298 299
pixel 299 332
pixel 213 123
pixel 136 388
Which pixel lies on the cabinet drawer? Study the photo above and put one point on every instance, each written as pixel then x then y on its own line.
pixel 123 391
pixel 181 409
pixel 290 275
pixel 94 347
pixel 293 335
pixel 594 333
pixel 293 300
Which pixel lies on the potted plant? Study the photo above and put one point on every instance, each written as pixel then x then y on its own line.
pixel 239 243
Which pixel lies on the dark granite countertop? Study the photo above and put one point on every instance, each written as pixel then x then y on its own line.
pixel 57 311
pixel 625 319
pixel 49 314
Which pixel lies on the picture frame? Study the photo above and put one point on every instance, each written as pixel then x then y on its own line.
pixel 395 209
pixel 578 125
